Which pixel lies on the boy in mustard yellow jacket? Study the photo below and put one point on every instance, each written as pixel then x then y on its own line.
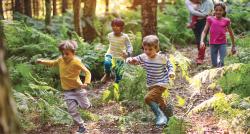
pixel 74 90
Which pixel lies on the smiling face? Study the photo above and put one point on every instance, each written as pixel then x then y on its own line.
pixel 219 11
pixel 150 51
pixel 117 30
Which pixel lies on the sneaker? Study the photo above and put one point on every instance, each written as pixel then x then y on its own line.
pixel 81 130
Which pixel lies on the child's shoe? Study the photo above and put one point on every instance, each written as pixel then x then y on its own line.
pixel 81 130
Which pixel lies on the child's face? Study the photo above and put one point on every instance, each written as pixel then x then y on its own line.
pixel 68 54
pixel 117 29
pixel 150 51
pixel 219 11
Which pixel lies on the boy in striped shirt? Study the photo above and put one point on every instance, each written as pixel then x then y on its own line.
pixel 119 49
pixel 159 70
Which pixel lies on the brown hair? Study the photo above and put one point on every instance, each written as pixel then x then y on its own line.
pixel 151 41
pixel 117 22
pixel 68 44
pixel 223 6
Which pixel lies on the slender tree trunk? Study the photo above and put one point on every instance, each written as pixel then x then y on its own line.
pixel 149 17
pixel 107 6
pixel 27 8
pixel 77 18
pixel 89 31
pixel 48 15
pixel 8 120
pixel 64 6
pixel 54 8
pixel 1 10
pixel 36 7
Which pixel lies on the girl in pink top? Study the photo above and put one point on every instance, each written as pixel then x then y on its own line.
pixel 218 25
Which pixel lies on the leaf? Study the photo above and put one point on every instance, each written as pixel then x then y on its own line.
pixel 180 100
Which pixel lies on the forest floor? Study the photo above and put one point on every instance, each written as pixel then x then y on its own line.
pixel 204 122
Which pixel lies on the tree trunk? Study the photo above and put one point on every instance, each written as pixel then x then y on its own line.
pixel 107 6
pixel 89 31
pixel 64 6
pixel 48 15
pixel 54 8
pixel 27 8
pixel 36 7
pixel 149 17
pixel 19 6
pixel 1 10
pixel 77 18
pixel 8 120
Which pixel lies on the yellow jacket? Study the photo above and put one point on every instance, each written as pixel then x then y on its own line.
pixel 69 72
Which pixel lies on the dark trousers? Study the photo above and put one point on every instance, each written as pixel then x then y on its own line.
pixel 199 26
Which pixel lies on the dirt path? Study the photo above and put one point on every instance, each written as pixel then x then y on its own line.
pixel 109 113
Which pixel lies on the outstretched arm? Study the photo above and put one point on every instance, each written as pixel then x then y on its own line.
pixel 50 63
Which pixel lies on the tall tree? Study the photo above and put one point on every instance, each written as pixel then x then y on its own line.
pixel 36 7
pixel 149 17
pixel 19 6
pixel 106 6
pixel 89 31
pixel 77 17
pixel 64 6
pixel 28 8
pixel 54 8
pixel 1 10
pixel 48 15
pixel 8 120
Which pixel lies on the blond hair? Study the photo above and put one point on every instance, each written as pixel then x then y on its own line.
pixel 151 41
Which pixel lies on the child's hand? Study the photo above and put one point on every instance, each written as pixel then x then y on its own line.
pixel 124 54
pixel 233 50
pixel 202 45
pixel 132 61
pixel 84 86
pixel 171 76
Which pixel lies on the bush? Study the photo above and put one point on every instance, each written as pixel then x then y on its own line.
pixel 237 81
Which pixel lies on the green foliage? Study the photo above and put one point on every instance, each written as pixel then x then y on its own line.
pixel 176 126
pixel 239 14
pixel 243 48
pixel 237 81
pixel 172 24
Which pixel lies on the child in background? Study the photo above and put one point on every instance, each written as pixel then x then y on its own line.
pixel 193 18
pixel 74 90
pixel 159 70
pixel 119 49
pixel 218 25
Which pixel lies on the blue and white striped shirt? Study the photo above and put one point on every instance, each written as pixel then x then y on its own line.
pixel 158 69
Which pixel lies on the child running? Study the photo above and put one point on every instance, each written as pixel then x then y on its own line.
pixel 159 70
pixel 218 25
pixel 74 90
pixel 119 49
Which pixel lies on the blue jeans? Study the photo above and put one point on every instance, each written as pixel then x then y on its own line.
pixel 118 67
pixel 216 49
